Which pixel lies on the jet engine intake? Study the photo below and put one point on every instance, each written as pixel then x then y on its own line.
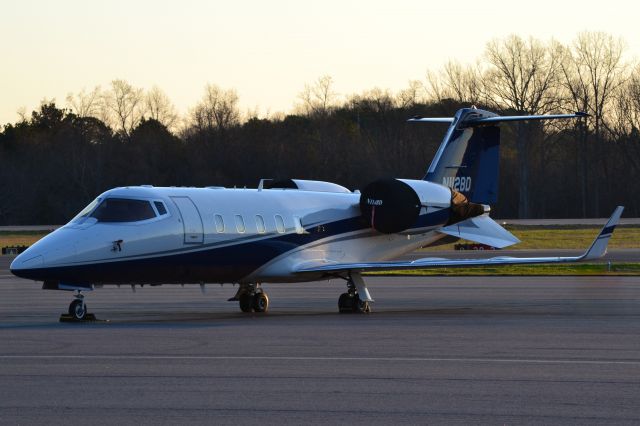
pixel 393 205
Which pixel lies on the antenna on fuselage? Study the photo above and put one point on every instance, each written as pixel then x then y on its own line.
pixel 262 182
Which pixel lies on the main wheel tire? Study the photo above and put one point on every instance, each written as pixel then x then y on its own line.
pixel 78 310
pixel 261 302
pixel 246 302
pixel 345 303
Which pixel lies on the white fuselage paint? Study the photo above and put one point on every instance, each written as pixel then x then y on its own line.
pixel 230 217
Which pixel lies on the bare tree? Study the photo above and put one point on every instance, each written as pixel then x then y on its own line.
pixel 86 104
pixel 160 108
pixel 577 96
pixel 523 76
pixel 376 100
pixel 318 98
pixel 124 106
pixel 592 70
pixel 599 65
pixel 22 114
pixel 624 119
pixel 217 110
pixel 455 81
pixel 412 95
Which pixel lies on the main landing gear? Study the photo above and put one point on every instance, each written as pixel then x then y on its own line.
pixel 251 298
pixel 357 298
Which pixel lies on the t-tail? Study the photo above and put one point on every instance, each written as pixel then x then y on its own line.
pixel 467 160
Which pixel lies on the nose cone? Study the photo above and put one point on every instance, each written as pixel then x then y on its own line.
pixel 39 260
pixel 27 264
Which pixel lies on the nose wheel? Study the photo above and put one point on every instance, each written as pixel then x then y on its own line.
pixel 77 310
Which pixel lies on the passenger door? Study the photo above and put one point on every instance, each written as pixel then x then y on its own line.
pixel 191 220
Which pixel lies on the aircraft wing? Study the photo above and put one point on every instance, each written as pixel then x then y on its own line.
pixel 598 249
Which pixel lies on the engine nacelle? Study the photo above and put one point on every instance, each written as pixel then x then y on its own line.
pixel 393 205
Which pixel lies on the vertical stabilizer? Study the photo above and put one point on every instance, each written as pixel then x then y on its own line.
pixel 468 158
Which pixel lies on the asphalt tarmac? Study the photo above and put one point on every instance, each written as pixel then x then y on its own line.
pixel 497 351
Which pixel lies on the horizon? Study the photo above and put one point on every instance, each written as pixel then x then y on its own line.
pixel 267 53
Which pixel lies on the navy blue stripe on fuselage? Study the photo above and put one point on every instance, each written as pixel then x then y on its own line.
pixel 226 263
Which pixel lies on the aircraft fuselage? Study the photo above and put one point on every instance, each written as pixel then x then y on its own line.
pixel 219 235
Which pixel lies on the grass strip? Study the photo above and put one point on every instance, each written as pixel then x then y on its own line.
pixel 20 238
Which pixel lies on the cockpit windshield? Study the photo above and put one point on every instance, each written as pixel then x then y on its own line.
pixel 80 217
pixel 116 210
pixel 123 210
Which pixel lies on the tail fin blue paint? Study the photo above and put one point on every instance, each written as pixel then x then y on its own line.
pixel 468 158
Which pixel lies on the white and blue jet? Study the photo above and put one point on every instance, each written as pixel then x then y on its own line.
pixel 289 230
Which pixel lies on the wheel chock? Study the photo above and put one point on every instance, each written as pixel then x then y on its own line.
pixel 87 318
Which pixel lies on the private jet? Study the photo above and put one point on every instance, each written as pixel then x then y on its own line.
pixel 290 230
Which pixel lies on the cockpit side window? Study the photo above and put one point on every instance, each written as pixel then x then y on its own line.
pixel 123 210
pixel 162 210
pixel 86 211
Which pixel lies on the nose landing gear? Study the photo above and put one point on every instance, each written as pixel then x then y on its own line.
pixel 77 310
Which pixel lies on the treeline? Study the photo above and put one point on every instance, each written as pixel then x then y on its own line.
pixel 56 160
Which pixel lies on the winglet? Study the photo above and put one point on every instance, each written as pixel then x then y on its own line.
pixel 599 246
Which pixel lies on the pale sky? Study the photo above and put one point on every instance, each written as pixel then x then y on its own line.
pixel 266 50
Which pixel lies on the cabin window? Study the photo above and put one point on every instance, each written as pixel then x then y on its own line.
pixel 260 224
pixel 240 224
pixel 219 223
pixel 280 224
pixel 123 210
pixel 162 210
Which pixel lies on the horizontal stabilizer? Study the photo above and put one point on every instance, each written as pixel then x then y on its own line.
pixel 475 120
pixel 432 119
pixel 481 229
pixel 500 119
